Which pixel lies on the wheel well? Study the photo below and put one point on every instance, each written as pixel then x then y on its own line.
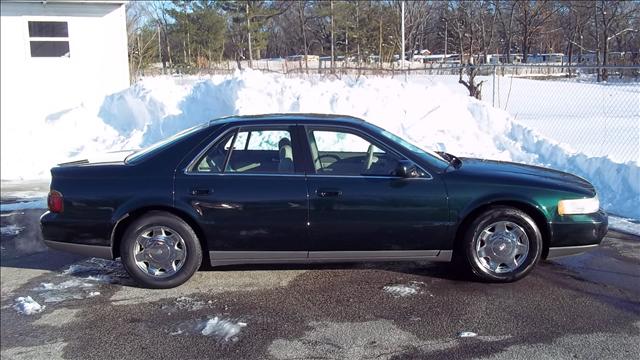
pixel 535 214
pixel 124 223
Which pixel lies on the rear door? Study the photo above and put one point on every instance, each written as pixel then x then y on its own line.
pixel 249 193
pixel 360 208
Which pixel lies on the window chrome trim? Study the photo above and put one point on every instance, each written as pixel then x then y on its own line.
pixel 244 174
pixel 367 136
pixel 372 176
pixel 189 168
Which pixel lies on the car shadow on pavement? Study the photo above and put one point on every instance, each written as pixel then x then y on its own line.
pixel 445 271
pixel 44 260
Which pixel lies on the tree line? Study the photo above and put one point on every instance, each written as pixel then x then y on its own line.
pixel 198 33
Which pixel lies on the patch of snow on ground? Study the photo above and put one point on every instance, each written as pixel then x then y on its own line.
pixel 401 290
pixel 465 334
pixel 187 303
pixel 11 230
pixel 100 270
pixel 27 306
pixel 87 275
pixel 8 214
pixel 224 329
pixel 77 289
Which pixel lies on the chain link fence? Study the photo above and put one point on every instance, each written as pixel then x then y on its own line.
pixel 573 108
pixel 564 103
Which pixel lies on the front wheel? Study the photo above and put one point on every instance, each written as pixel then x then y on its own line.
pixel 502 245
pixel 159 250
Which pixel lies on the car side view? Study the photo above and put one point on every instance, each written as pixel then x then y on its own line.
pixel 298 188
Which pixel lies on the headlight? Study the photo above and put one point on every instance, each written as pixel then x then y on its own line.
pixel 578 206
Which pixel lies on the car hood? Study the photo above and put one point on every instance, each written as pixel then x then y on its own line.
pixel 526 173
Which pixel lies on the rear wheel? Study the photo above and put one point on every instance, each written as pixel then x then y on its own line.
pixel 502 245
pixel 159 250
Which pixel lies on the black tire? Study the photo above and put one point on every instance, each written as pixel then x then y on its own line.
pixel 192 260
pixel 477 267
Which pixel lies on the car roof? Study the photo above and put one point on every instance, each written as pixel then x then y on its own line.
pixel 288 117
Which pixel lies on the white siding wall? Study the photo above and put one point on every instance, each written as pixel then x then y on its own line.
pixel 97 64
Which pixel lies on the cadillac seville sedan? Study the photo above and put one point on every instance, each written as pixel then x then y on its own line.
pixel 299 188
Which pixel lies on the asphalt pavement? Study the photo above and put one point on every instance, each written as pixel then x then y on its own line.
pixel 581 307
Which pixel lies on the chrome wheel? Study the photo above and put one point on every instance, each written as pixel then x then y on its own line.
pixel 159 251
pixel 502 247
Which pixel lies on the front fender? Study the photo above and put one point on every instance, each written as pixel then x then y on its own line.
pixel 500 198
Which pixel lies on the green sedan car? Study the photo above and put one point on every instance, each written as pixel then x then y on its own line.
pixel 300 188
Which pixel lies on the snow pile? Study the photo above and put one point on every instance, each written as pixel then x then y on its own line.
pixel 628 226
pixel 27 306
pixel 432 115
pixel 222 328
pixel 218 327
pixel 24 205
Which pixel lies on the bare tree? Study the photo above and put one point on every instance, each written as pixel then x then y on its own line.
pixel 141 37
pixel 531 18
pixel 608 15
pixel 464 18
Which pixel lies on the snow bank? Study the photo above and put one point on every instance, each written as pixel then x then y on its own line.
pixel 24 205
pixel 27 306
pixel 432 115
pixel 628 226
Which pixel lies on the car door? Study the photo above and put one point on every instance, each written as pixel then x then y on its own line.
pixel 249 195
pixel 359 208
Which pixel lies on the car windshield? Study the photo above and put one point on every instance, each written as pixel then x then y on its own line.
pixel 152 149
pixel 429 156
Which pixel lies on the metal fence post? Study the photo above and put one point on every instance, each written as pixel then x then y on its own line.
pixel 493 97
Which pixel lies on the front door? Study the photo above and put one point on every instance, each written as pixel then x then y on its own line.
pixel 359 207
pixel 249 196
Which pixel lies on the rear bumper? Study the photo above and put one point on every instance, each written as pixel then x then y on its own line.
pixel 80 237
pixel 82 249
pixel 577 234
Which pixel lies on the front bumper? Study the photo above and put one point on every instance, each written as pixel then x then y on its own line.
pixel 577 233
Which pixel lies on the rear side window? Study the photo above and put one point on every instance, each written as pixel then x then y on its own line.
pixel 254 151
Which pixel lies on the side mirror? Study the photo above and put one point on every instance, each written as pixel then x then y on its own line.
pixel 407 169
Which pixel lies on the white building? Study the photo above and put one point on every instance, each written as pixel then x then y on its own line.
pixel 55 54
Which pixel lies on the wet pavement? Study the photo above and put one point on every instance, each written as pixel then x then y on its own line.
pixel 585 307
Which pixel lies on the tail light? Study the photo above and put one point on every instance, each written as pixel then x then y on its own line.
pixel 55 202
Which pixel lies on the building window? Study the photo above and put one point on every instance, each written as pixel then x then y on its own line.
pixel 49 38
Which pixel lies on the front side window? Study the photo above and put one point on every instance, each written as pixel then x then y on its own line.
pixel 49 38
pixel 345 153
pixel 255 151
